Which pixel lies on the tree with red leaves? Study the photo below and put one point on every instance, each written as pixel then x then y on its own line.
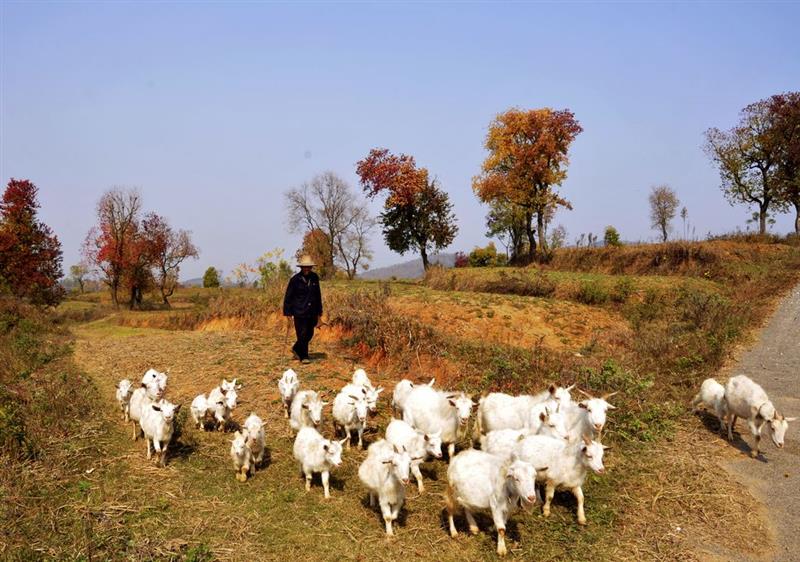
pixel 785 118
pixel 30 254
pixel 528 157
pixel 417 214
pixel 135 254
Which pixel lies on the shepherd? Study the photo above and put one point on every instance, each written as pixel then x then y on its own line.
pixel 303 302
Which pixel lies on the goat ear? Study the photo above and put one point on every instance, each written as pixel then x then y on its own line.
pixel 542 469
pixel 790 419
pixel 542 416
pixel 143 385
pixel 426 438
pixel 552 389
pixel 452 403
pixel 583 405
pixel 116 386
pixel 177 408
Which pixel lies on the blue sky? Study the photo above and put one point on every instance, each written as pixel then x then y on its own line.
pixel 214 109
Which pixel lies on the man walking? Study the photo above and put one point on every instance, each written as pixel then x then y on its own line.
pixel 303 302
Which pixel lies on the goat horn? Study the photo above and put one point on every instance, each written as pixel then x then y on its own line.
pixel 570 387
pixel 610 394
pixel 586 394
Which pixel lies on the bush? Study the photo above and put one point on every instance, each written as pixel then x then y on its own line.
pixel 622 290
pixel 486 257
pixel 592 292
pixel 611 237
pixel 461 260
pixel 537 285
pixel 211 277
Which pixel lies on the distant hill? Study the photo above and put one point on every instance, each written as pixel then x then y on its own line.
pixel 411 269
pixel 194 282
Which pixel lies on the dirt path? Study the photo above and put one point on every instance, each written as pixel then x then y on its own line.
pixel 774 478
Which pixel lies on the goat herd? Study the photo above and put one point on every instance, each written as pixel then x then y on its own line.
pixel 545 438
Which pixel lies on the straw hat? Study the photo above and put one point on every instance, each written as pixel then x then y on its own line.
pixel 305 261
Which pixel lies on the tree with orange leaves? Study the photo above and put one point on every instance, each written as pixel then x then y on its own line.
pixel 417 214
pixel 527 160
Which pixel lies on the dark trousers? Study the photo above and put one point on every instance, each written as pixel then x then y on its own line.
pixel 304 328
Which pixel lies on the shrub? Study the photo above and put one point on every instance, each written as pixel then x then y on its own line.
pixel 461 260
pixel 486 257
pixel 211 277
pixel 611 237
pixel 592 292
pixel 519 283
pixel 622 290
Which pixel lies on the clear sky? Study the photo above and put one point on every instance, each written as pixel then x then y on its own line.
pixel 214 109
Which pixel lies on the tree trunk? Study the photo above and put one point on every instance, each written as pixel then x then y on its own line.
pixel 664 231
pixel 797 216
pixel 80 282
pixel 529 231
pixel 762 219
pixel 424 255
pixel 542 235
pixel 114 297
pixel 164 298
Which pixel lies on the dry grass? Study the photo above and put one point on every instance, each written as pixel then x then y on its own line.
pixel 197 501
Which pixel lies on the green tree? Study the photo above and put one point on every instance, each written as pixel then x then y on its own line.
pixel 486 257
pixel 611 237
pixel 417 214
pixel 211 277
pixel 78 273
pixel 748 158
pixel 663 206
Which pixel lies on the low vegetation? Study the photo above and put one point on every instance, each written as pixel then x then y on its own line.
pixel 650 333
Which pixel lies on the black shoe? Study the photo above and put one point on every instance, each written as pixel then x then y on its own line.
pixel 305 361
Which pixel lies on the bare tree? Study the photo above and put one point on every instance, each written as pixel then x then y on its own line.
pixel 328 204
pixel 168 249
pixel 663 205
pixel 353 246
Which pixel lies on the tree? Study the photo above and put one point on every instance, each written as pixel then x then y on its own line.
pixel 506 222
pixel 317 245
pixel 417 215
pixel 558 237
pixel 272 268
pixel 78 273
pixel 486 257
pixel 748 159
pixel 328 204
pixel 663 205
pixel 684 218
pixel 30 254
pixel 611 237
pixel 211 277
pixel 168 249
pixel 785 118
pixel 528 156
pixel 110 245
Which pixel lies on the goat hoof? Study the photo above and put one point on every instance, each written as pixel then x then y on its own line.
pixel 473 530
pixel 582 522
pixel 754 454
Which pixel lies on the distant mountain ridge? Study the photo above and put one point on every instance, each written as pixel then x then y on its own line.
pixel 411 269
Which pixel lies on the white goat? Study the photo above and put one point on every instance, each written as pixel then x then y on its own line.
pixel 479 481
pixel 317 454
pixel 433 411
pixel 360 378
pixel 124 392
pixel 567 465
pixel 158 425
pixel 242 455
pixel 385 474
pixel 221 401
pixel 141 398
pixel 350 413
pixel 256 439
pixel 418 444
pixel 503 442
pixel 588 417
pixel 712 395
pixel 503 411
pixel 288 385
pixel 306 410
pixel 746 399
pixel 401 392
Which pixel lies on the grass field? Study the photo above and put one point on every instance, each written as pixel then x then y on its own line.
pixel 88 491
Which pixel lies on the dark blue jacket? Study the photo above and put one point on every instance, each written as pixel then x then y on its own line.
pixel 303 298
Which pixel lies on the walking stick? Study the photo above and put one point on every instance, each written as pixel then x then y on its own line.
pixel 288 329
